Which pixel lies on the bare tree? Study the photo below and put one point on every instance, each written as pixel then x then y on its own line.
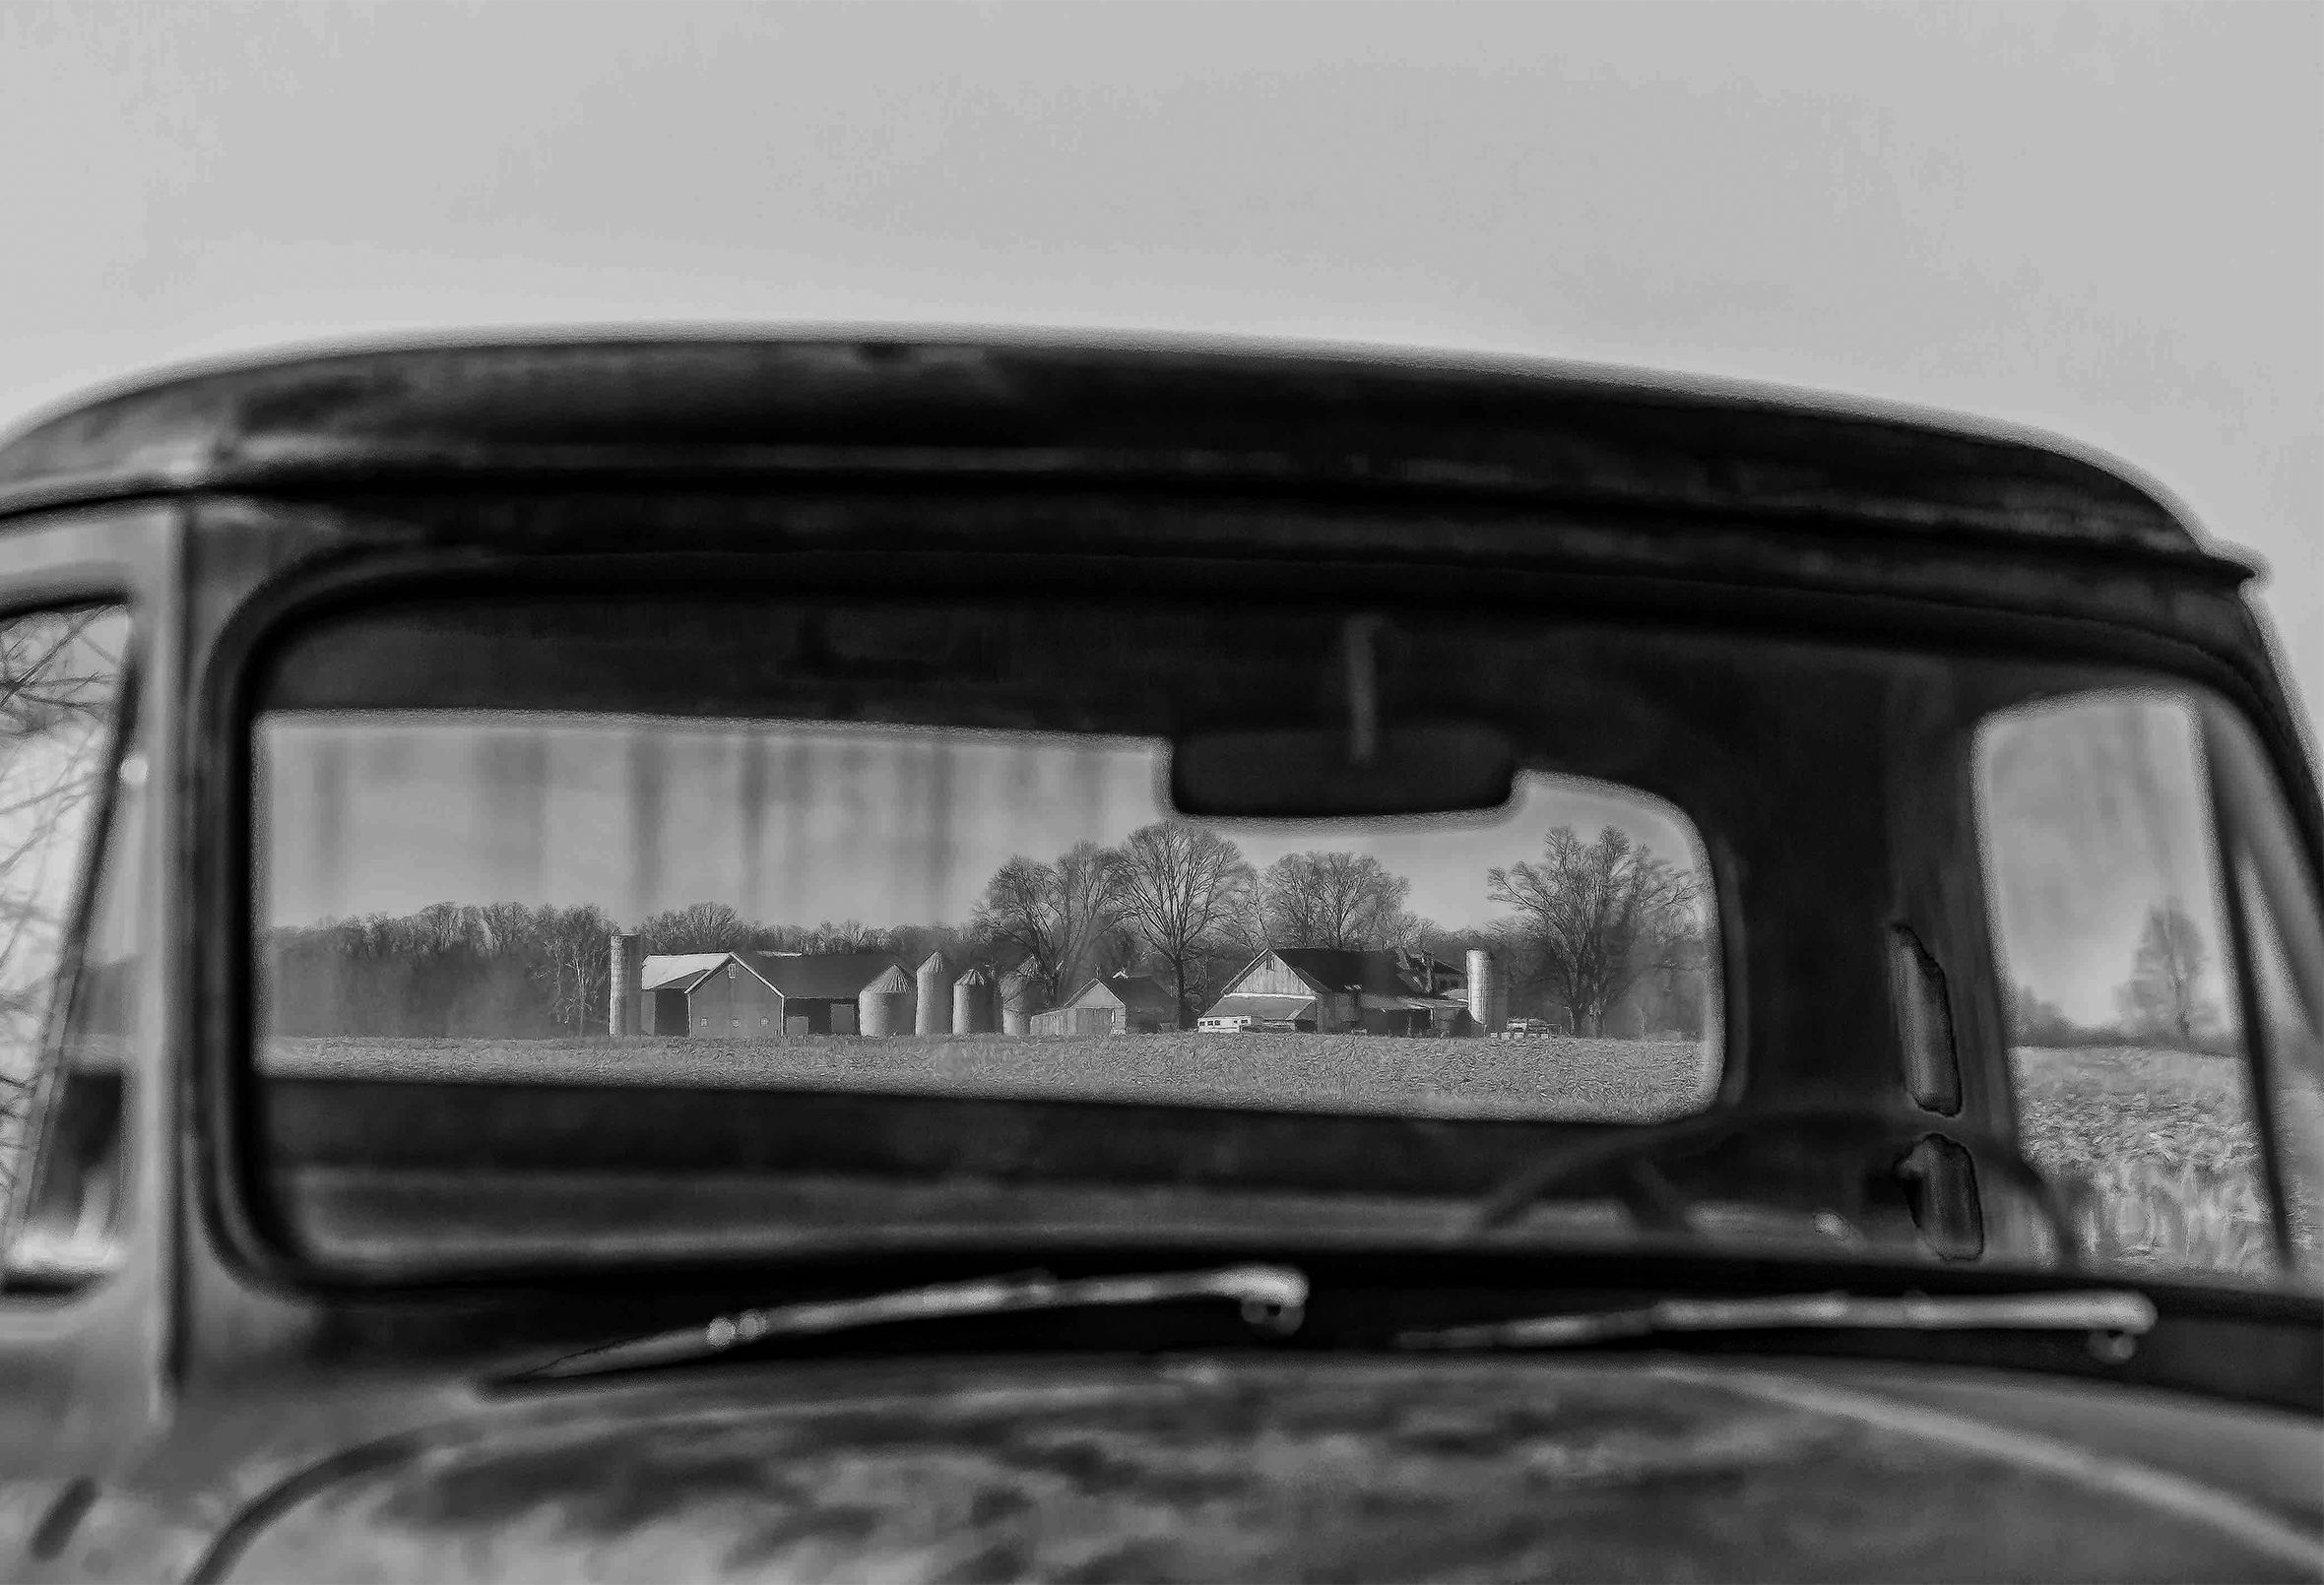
pixel 1339 900
pixel 2035 1020
pixel 1053 914
pixel 1183 889
pixel 2163 997
pixel 1597 914
pixel 572 960
pixel 697 927
pixel 847 936
pixel 60 675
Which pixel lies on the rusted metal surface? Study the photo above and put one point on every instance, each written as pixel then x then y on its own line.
pixel 794 410
pixel 1349 1471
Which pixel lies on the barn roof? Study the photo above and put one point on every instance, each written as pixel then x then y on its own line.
pixel 1140 993
pixel 679 971
pixel 818 976
pixel 1379 972
pixel 564 411
pixel 1262 1004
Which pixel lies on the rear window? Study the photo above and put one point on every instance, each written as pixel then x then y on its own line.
pixel 676 928
pixel 564 898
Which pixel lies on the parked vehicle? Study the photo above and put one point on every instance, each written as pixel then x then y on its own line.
pixel 362 710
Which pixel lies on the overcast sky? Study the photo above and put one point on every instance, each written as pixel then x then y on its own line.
pixel 2103 219
pixel 2106 220
pixel 790 825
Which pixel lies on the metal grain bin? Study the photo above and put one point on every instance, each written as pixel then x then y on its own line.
pixel 1017 995
pixel 885 1005
pixel 974 1002
pixel 934 1015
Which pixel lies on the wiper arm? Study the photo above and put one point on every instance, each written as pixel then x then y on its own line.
pixel 2114 1319
pixel 1273 1298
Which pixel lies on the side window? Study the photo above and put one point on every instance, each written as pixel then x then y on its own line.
pixel 2275 887
pixel 2132 1073
pixel 60 697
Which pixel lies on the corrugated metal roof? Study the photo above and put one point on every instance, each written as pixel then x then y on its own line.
pixel 1376 1002
pixel 1382 972
pixel 819 975
pixel 891 982
pixel 666 971
pixel 1262 1004
pixel 1138 992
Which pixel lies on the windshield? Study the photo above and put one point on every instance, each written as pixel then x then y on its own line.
pixel 603 930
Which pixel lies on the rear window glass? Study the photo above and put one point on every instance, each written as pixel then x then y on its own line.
pixel 567 897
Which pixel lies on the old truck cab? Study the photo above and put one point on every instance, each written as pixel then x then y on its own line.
pixel 979 958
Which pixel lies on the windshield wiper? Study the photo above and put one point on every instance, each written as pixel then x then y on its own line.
pixel 1272 1298
pixel 2114 1319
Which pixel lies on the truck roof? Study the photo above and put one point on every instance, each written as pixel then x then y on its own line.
pixel 548 411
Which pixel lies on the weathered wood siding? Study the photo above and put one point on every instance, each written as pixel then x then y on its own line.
pixel 734 1004
pixel 1271 974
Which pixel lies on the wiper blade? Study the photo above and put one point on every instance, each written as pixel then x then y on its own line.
pixel 2114 1319
pixel 1272 1298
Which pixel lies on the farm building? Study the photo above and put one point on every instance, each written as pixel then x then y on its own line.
pixel 741 994
pixel 1120 1004
pixel 1328 990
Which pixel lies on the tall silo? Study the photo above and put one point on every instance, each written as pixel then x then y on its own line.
pixel 1017 995
pixel 934 1013
pixel 624 981
pixel 1488 998
pixel 884 1006
pixel 972 1002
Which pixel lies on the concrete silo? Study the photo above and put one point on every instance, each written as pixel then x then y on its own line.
pixel 933 1012
pixel 629 966
pixel 1488 996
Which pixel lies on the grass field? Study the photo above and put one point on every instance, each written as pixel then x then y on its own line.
pixel 2163 1151
pixel 1623 1081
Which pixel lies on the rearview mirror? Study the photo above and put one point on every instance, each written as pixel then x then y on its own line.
pixel 1307 773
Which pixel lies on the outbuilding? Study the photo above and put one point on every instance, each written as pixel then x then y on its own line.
pixel 741 996
pixel 1120 1003
pixel 1329 991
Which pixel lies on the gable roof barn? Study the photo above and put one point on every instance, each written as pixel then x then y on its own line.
pixel 1376 971
pixel 1333 988
pixel 793 975
pixel 1133 994
pixel 680 970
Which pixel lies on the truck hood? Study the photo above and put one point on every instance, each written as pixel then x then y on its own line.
pixel 1449 1469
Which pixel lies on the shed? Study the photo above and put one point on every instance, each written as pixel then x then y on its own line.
pixel 1122 1003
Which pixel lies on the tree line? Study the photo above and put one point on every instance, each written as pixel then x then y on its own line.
pixel 2162 1001
pixel 1591 925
